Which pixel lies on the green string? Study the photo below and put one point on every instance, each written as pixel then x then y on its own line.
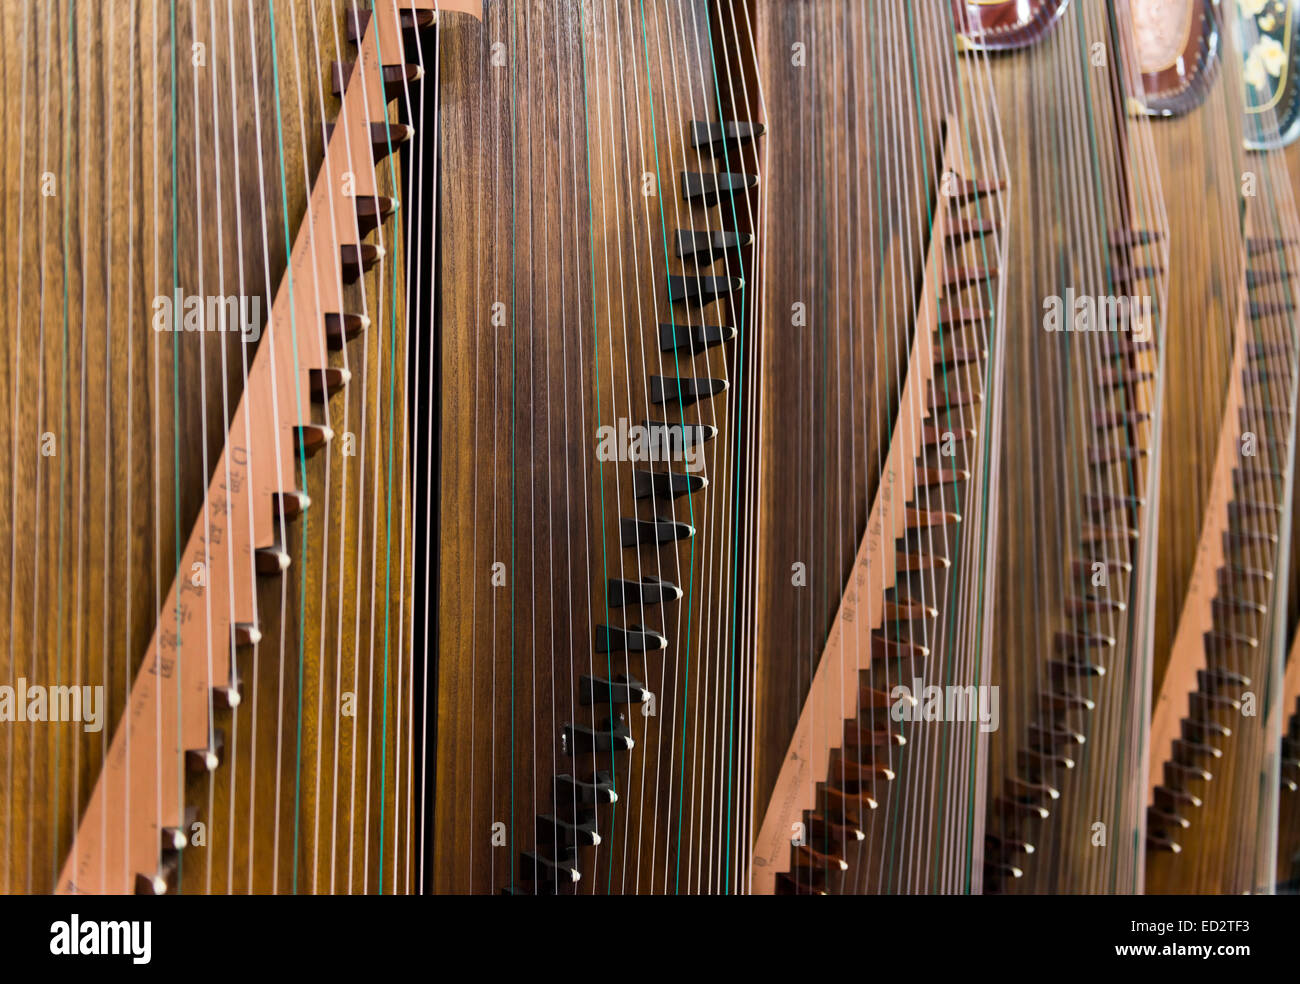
pixel 595 330
pixel 738 430
pixel 514 398
pixel 301 456
pixel 63 409
pixel 989 464
pixel 690 596
pixel 1105 226
pixel 176 447
pixel 889 410
pixel 388 511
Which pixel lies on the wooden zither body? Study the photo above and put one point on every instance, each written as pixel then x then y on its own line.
pixel 880 421
pixel 1074 592
pixel 603 176
pixel 1288 833
pixel 1197 137
pixel 621 447
pixel 208 515
pixel 1288 815
pixel 1218 711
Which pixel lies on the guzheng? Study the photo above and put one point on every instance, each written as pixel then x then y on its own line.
pixel 683 447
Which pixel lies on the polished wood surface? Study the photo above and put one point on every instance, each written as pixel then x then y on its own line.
pixel 1082 418
pixel 574 157
pixel 392 589
pixel 200 192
